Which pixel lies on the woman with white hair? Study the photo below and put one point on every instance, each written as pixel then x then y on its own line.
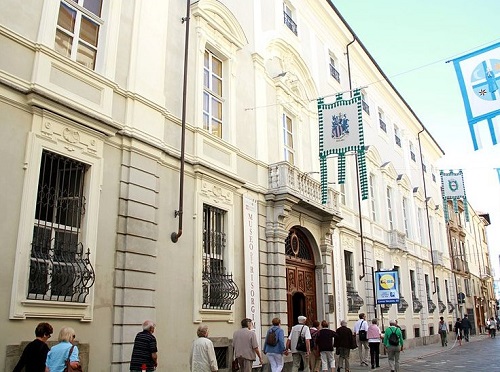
pixel 202 358
pixel 65 349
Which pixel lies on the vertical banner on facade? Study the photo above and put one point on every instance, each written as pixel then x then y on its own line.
pixel 251 251
pixel 387 287
pixel 340 132
pixel 478 75
pixel 453 188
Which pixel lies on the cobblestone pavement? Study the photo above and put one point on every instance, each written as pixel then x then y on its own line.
pixel 482 354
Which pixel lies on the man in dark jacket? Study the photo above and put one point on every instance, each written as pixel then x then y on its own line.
pixel 466 326
pixel 324 343
pixel 344 342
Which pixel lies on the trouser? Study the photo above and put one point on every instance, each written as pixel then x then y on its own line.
pixel 297 357
pixel 362 350
pixel 393 357
pixel 444 338
pixel 343 357
pixel 374 353
pixel 314 361
pixel 275 361
pixel 327 361
pixel 466 334
pixel 245 365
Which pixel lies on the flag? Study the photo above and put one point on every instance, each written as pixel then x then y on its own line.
pixel 453 188
pixel 341 131
pixel 478 75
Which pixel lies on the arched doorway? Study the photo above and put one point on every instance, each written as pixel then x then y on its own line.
pixel 300 277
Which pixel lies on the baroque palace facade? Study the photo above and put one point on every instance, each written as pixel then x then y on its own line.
pixel 91 107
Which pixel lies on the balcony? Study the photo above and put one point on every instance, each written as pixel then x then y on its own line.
pixel 431 305
pixel 417 305
pixel 441 306
pixel 437 258
pixel 397 240
pixel 354 300
pixel 334 73
pixel 385 308
pixel 451 307
pixel 286 181
pixel 290 23
pixel 402 305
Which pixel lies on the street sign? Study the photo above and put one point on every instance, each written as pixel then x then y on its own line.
pixel 387 287
pixel 461 298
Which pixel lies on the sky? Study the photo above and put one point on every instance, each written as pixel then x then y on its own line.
pixel 412 41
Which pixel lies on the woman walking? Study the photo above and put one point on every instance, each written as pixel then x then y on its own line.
pixel 374 336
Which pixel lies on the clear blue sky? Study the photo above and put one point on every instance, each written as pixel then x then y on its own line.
pixel 411 41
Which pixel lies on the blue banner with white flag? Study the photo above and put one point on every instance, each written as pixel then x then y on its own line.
pixel 478 75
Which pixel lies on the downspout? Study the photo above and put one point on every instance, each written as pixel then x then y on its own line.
pixel 178 213
pixel 427 211
pixel 357 174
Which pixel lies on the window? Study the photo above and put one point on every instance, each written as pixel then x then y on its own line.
pixel 379 265
pixel 288 13
pixel 212 94
pixel 397 136
pixel 342 194
pixel 214 249
pixel 413 284
pixel 334 72
pixel 396 268
pixel 427 286
pixel 447 291
pixel 412 152
pixel 349 269
pixel 438 289
pixel 288 139
pixel 77 32
pixel 59 264
pixel 381 121
pixel 364 104
pixel 406 219
pixel 373 202
pixel 467 287
pixel 421 229
pixel 424 167
pixel 389 208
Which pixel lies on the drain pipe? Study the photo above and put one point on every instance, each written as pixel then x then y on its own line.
pixel 427 210
pixel 178 213
pixel 349 64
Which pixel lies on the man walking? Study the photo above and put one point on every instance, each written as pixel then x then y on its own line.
pixel 144 353
pixel 300 330
pixel 443 331
pixel 466 326
pixel 393 342
pixel 343 343
pixel 245 346
pixel 360 331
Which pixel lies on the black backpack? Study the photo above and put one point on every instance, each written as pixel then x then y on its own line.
pixel 271 338
pixel 362 333
pixel 393 338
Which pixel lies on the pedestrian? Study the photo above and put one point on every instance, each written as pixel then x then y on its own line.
pixel 65 349
pixel 343 342
pixel 300 330
pixel 314 359
pixel 35 353
pixel 466 326
pixel 274 349
pixel 458 331
pixel 145 352
pixel 493 327
pixel 393 342
pixel 324 343
pixel 360 331
pixel 443 331
pixel 374 338
pixel 245 345
pixel 202 358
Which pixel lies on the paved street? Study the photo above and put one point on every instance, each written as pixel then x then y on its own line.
pixel 479 355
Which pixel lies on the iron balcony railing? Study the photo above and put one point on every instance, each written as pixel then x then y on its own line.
pixel 398 140
pixel 382 125
pixel 60 271
pixel 219 289
pixel 365 106
pixel 412 156
pixel 334 73
pixel 290 23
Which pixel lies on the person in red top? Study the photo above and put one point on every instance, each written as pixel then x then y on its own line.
pixel 374 336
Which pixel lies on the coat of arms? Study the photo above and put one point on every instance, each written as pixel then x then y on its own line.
pixel 340 125
pixel 453 185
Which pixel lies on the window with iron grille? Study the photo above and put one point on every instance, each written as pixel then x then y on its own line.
pixel 373 201
pixel 427 286
pixel 397 136
pixel 212 94
pixel 60 268
pixel 412 152
pixel 77 34
pixel 219 289
pixel 288 14
pixel 413 284
pixel 289 151
pixel 334 72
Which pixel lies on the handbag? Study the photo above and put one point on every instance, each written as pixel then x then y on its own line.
pixel 235 366
pixel 301 342
pixel 67 362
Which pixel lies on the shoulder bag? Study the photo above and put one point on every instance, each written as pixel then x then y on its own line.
pixel 301 342
pixel 68 367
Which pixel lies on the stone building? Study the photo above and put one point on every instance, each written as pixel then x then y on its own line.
pixel 91 107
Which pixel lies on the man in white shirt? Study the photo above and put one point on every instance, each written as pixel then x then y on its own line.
pixel 362 325
pixel 297 330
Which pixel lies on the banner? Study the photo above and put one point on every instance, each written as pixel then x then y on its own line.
pixel 453 188
pixel 387 287
pixel 478 75
pixel 340 132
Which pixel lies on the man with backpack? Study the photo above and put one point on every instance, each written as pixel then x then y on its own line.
pixel 274 346
pixel 360 331
pixel 393 342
